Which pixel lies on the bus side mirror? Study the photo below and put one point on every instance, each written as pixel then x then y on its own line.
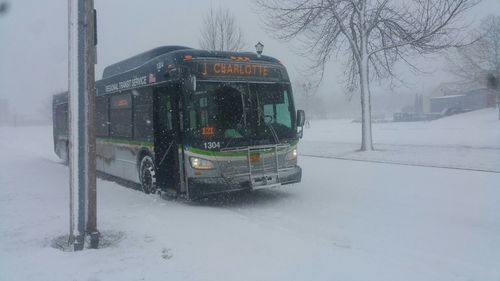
pixel 301 118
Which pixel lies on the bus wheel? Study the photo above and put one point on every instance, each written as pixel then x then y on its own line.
pixel 147 175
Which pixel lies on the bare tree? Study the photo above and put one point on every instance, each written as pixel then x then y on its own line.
pixel 305 90
pixel 474 63
pixel 221 32
pixel 372 34
pixel 4 8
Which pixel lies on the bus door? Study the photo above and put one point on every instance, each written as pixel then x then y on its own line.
pixel 166 111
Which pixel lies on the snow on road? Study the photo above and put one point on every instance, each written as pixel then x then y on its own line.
pixel 347 220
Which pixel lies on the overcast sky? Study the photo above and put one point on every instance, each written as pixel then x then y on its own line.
pixel 33 43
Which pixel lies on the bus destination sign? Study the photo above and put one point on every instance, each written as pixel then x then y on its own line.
pixel 250 70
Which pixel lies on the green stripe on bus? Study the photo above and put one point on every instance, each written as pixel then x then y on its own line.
pixel 122 141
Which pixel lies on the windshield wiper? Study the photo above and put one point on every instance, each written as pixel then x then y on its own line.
pixel 271 128
pixel 273 131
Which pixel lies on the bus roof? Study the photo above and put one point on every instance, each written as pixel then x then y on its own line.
pixel 175 52
pixel 138 60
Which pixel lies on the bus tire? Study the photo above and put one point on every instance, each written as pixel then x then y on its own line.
pixel 147 175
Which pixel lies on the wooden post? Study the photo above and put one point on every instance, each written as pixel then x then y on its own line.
pixel 90 53
pixel 82 125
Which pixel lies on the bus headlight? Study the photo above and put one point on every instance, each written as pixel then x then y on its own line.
pixel 292 155
pixel 201 164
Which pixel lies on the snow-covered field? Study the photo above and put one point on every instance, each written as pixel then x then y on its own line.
pixel 470 140
pixel 347 220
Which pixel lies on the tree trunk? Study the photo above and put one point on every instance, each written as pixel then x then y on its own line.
pixel 366 120
pixel 364 83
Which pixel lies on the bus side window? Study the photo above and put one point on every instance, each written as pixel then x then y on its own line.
pixel 143 114
pixel 165 113
pixel 102 117
pixel 121 116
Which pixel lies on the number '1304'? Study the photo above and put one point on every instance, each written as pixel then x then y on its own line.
pixel 212 145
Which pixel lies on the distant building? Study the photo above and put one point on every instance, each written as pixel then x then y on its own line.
pixel 465 101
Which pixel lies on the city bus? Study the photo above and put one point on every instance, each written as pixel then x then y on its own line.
pixel 193 122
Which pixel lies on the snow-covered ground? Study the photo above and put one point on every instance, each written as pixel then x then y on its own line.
pixel 347 220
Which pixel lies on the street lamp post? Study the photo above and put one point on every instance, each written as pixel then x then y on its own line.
pixel 259 47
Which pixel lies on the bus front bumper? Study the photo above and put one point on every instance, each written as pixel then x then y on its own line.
pixel 203 186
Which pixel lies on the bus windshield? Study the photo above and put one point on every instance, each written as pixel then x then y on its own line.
pixel 241 113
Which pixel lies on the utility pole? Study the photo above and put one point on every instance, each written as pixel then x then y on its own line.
pixel 91 61
pixel 81 82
